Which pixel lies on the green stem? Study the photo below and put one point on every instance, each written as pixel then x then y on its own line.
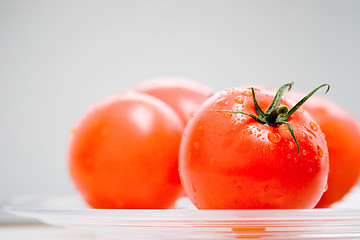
pixel 302 101
pixel 272 117
pixel 278 97
pixel 277 115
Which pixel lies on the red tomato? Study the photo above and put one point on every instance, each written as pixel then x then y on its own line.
pixel 183 95
pixel 342 134
pixel 124 153
pixel 229 160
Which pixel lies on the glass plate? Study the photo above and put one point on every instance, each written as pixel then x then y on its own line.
pixel 185 222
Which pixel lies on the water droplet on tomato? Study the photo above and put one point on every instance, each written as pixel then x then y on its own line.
pixel 230 124
pixel 239 100
pixel 326 187
pixel 222 101
pixel 227 115
pixel 247 93
pixel 197 145
pixel 288 156
pixel 271 147
pixel 314 126
pixel 304 152
pixel 193 187
pixel 248 132
pixel 274 137
pixel 320 151
pixel 327 160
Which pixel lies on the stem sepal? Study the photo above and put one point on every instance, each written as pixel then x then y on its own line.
pixel 277 115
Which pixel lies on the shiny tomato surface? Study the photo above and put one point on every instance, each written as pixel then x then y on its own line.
pixel 183 95
pixel 342 134
pixel 232 161
pixel 124 153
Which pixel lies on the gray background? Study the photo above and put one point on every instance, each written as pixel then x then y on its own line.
pixel 59 57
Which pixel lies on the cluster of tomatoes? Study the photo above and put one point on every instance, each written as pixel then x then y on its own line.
pixel 241 148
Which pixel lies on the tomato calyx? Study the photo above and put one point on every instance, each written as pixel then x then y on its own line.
pixel 277 115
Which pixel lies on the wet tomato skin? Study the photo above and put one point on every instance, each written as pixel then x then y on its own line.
pixel 124 153
pixel 231 161
pixel 342 134
pixel 182 94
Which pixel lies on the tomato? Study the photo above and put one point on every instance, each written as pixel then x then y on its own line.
pixel 124 153
pixel 183 95
pixel 229 160
pixel 342 134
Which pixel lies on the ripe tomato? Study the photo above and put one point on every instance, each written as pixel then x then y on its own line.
pixel 229 160
pixel 342 134
pixel 124 153
pixel 183 95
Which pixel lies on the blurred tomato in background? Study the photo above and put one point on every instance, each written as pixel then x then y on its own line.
pixel 183 95
pixel 124 153
pixel 342 134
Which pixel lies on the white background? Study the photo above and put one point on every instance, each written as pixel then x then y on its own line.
pixel 59 57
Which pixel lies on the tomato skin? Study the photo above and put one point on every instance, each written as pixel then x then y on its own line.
pixel 183 95
pixel 342 134
pixel 124 153
pixel 231 161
